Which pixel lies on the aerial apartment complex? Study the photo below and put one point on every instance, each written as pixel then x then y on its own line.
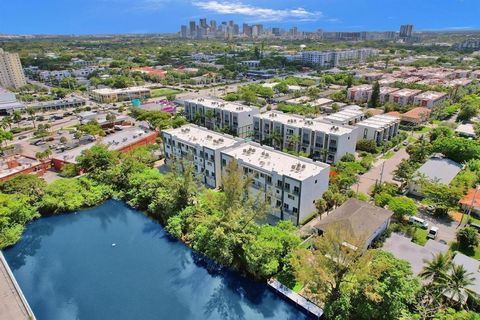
pixel 330 59
pixel 379 128
pixel 11 72
pixel 218 114
pixel 324 141
pixel 290 184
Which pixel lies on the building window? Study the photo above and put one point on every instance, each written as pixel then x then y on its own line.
pixel 296 190
pixel 269 180
pixel 224 162
pixel 287 186
pixel 295 210
pixel 291 197
pixel 279 203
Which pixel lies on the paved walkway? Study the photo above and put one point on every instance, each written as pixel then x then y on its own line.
pixel 13 305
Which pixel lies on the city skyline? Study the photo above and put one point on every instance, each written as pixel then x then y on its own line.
pixel 165 16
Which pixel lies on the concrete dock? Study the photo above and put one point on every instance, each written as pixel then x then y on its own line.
pixel 311 308
pixel 13 305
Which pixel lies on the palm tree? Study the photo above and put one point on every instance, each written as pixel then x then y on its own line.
pixel 276 138
pixel 7 122
pixel 210 116
pixel 293 140
pixel 17 117
pixel 31 112
pixel 439 266
pixel 455 285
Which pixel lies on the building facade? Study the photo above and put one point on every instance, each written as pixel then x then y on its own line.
pixel 378 128
pixel 202 147
pixel 11 72
pixel 290 184
pixel 430 99
pixel 323 141
pixel 218 114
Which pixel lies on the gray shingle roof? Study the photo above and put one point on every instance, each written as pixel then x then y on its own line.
pixel 441 170
pixel 359 218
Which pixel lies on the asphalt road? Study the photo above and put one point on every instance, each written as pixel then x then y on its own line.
pixel 367 180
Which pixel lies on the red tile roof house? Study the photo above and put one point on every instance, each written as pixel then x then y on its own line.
pixel 416 115
pixel 466 201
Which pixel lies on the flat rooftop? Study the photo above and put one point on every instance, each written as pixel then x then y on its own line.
pixel 221 104
pixel 403 248
pixel 13 305
pixel 321 102
pixel 16 163
pixel 379 121
pixel 270 160
pixel 344 115
pixel 119 91
pixel 406 92
pixel 196 135
pixel 362 87
pixel 431 95
pixel 116 141
pixel 301 122
pixel 385 90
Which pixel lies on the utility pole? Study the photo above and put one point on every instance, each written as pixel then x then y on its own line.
pixel 471 205
pixel 381 172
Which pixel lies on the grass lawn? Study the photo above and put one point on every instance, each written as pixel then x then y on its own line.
pixel 471 253
pixel 163 92
pixel 425 130
pixel 420 236
pixel 388 155
pixel 472 218
pixel 297 287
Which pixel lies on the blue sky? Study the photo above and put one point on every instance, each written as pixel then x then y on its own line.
pixel 142 16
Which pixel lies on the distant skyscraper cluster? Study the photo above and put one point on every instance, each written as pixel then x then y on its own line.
pixel 230 30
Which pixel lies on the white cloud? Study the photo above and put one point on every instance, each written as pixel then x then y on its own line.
pixel 260 14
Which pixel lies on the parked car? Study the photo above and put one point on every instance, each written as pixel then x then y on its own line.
pixel 432 233
pixel 405 143
pixel 50 139
pixel 419 222
pixel 396 148
pixel 40 143
pixel 22 137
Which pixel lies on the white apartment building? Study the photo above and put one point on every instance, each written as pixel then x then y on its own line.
pixel 290 184
pixel 219 114
pixel 404 96
pixel 54 75
pixel 323 141
pixel 11 72
pixel 329 59
pixel 107 95
pixel 430 99
pixel 202 146
pixel 349 116
pixel 359 94
pixel 379 128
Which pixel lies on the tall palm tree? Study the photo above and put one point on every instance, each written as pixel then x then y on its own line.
pixel 31 112
pixel 438 266
pixel 16 116
pixel 7 122
pixel 293 141
pixel 455 285
pixel 276 138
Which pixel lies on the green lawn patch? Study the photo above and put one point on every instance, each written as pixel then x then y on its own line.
pixel 297 287
pixel 155 93
pixel 420 236
pixel 388 155
pixel 468 252
pixel 425 130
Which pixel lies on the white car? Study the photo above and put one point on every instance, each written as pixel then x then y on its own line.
pixel 432 233
pixel 419 222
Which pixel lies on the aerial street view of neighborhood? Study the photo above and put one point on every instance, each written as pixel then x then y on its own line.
pixel 240 160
